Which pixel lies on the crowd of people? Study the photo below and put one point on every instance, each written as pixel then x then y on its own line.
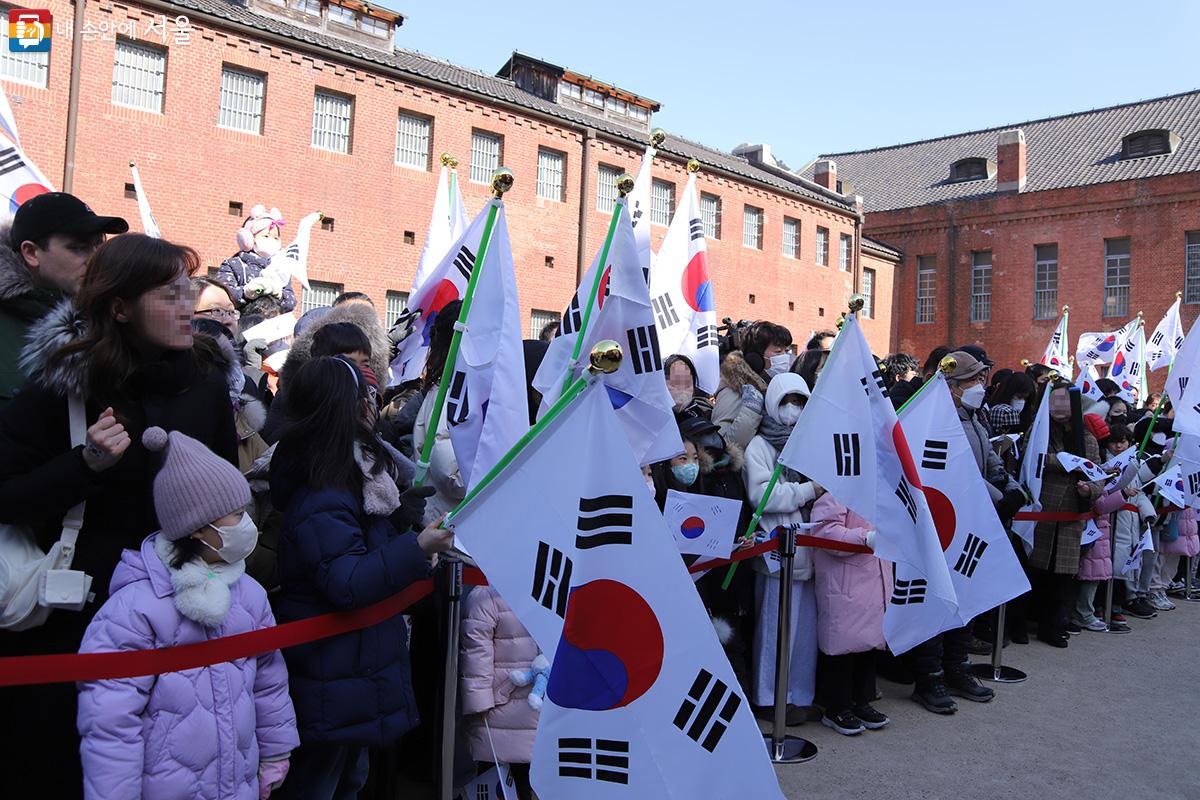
pixel 225 487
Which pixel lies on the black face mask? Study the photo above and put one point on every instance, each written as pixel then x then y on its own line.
pixel 1117 419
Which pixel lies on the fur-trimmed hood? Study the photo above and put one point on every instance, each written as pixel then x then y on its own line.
pixel 737 459
pixel 57 329
pixel 360 315
pixel 15 278
pixel 736 373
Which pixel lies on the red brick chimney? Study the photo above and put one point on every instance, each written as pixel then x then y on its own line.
pixel 825 173
pixel 1010 161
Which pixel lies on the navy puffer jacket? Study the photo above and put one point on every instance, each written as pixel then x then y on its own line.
pixel 355 688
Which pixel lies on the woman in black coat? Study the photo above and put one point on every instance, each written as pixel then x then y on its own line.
pixel 125 347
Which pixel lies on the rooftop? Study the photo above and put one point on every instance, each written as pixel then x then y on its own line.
pixel 1076 149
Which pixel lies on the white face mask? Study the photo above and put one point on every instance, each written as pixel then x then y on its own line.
pixel 650 487
pixel 972 398
pixel 1018 405
pixel 266 246
pixel 779 364
pixel 237 541
pixel 789 414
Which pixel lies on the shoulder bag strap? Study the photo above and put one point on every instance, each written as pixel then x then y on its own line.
pixel 73 520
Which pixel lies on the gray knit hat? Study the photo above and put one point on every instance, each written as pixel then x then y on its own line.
pixel 194 487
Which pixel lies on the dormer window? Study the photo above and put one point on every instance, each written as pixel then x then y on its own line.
pixel 373 26
pixel 343 15
pixel 1148 143
pixel 972 169
pixel 309 7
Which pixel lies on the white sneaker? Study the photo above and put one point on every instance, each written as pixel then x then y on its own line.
pixel 1160 602
pixel 1095 625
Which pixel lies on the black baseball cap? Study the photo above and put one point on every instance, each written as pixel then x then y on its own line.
pixel 59 212
pixel 978 353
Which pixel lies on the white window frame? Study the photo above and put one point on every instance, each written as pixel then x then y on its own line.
pixel 1045 281
pixel 551 174
pixel 791 238
pixel 320 294
pixel 926 290
pixel 342 15
pixel 752 227
pixel 395 303
pixel 868 292
pixel 981 286
pixel 1191 268
pixel 243 96
pixel 662 202
pixel 539 319
pixel 844 242
pixel 710 215
pixel 1117 270
pixel 822 246
pixel 144 70
pixel 373 25
pixel 333 121
pixel 414 133
pixel 487 150
pixel 606 188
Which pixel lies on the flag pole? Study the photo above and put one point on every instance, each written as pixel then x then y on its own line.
pixel 624 187
pixel 605 358
pixel 502 181
pixel 451 164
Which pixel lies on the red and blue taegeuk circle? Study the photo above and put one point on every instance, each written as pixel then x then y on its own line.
pixel 692 528
pixel 23 193
pixel 697 288
pixel 1107 343
pixel 445 293
pixel 1118 365
pixel 601 664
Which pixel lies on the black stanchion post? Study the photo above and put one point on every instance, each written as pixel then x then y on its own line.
pixel 785 749
pixel 996 671
pixel 452 580
pixel 1112 558
pixel 1190 592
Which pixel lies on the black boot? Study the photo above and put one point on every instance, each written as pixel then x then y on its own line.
pixel 931 692
pixel 963 684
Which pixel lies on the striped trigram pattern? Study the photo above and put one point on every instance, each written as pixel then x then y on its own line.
pixel 594 759
pixel 707 711
pixel 603 520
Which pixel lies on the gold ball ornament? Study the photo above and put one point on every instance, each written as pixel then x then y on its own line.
pixel 449 161
pixel 857 302
pixel 947 365
pixel 624 184
pixel 693 165
pixel 606 357
pixel 502 181
pixel 657 137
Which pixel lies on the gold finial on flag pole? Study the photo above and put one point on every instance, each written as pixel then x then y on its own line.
pixel 605 357
pixel 1066 309
pixel 857 302
pixel 693 166
pixel 947 365
pixel 502 181
pixel 449 161
pixel 1025 362
pixel 624 184
pixel 657 137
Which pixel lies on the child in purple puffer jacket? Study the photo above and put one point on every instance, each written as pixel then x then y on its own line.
pixel 223 731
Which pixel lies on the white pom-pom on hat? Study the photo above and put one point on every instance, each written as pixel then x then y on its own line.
pixel 154 439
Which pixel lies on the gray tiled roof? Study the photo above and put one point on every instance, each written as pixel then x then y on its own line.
pixel 504 90
pixel 1072 150
pixel 880 247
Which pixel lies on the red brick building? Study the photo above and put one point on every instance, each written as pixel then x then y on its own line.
pixel 308 105
pixel 1000 228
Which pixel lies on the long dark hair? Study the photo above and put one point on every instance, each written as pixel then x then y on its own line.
pixel 1015 384
pixel 325 422
pixel 439 344
pixel 123 268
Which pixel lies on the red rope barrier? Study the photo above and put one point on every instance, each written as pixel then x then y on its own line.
pixel 1064 516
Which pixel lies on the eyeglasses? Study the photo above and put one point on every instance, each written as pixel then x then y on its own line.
pixel 227 313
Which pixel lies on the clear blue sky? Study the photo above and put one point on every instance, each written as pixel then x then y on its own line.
pixel 811 79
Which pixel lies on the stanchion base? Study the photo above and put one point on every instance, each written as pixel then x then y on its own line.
pixel 1195 598
pixel 1002 674
pixel 794 751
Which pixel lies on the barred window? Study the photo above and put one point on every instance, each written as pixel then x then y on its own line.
pixel 868 292
pixel 395 303
pixel 319 295
pixel 1045 281
pixel 1116 277
pixel 844 253
pixel 331 121
pixel 139 76
pixel 752 227
pixel 412 140
pixel 606 188
pixel 550 174
pixel 926 288
pixel 662 202
pixel 539 319
pixel 241 105
pixel 710 215
pixel 823 246
pixel 485 155
pixel 791 237
pixel 27 68
pixel 981 286
pixel 1191 274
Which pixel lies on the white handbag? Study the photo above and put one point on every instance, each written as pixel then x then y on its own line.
pixel 33 583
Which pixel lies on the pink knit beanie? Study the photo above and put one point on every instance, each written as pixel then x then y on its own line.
pixel 195 486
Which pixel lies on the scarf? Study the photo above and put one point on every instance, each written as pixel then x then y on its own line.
pixel 381 495
pixel 201 589
pixel 777 434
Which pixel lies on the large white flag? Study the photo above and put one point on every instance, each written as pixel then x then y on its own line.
pixel 487 404
pixel 639 210
pixel 447 224
pixel 1086 382
pixel 292 261
pixel 1185 397
pixel 1101 348
pixel 641 702
pixel 20 179
pixel 1037 446
pixel 982 564
pixel 621 312
pixel 1129 364
pixel 1057 356
pixel 849 441
pixel 681 292
pixel 149 226
pixel 1166 340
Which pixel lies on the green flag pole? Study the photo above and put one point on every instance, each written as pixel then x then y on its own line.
pixel 502 181
pixel 624 187
pixel 451 162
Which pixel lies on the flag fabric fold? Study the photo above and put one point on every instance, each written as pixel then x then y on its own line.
pixel 1057 356
pixel 1183 391
pixel 1102 348
pixel 20 179
pixel 1128 364
pixel 292 261
pixel 639 211
pixel 1166 340
pixel 1033 464
pixel 149 226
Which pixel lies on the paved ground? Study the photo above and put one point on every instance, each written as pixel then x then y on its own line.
pixel 1112 716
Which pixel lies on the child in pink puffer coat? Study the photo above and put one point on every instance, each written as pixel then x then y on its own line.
pixel 220 732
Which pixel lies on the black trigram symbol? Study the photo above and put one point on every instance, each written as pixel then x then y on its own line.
pixel 636 216
pixel 905 494
pixel 457 409
pixel 1041 465
pixel 598 759
pixel 10 160
pixel 552 579
pixel 292 251
pixel 972 551
pixel 664 311
pixel 709 696
pixel 935 455
pixel 643 349
pixel 1129 345
pixel 572 319
pixel 1178 342
pixel 483 792
pixel 846 454
pixel 464 261
pixel 695 229
pixel 1194 484
pixel 706 336
pixel 908 593
pixel 1157 337
pixel 878 376
pixel 605 520
pixel 1134 368
pixel 1183 382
